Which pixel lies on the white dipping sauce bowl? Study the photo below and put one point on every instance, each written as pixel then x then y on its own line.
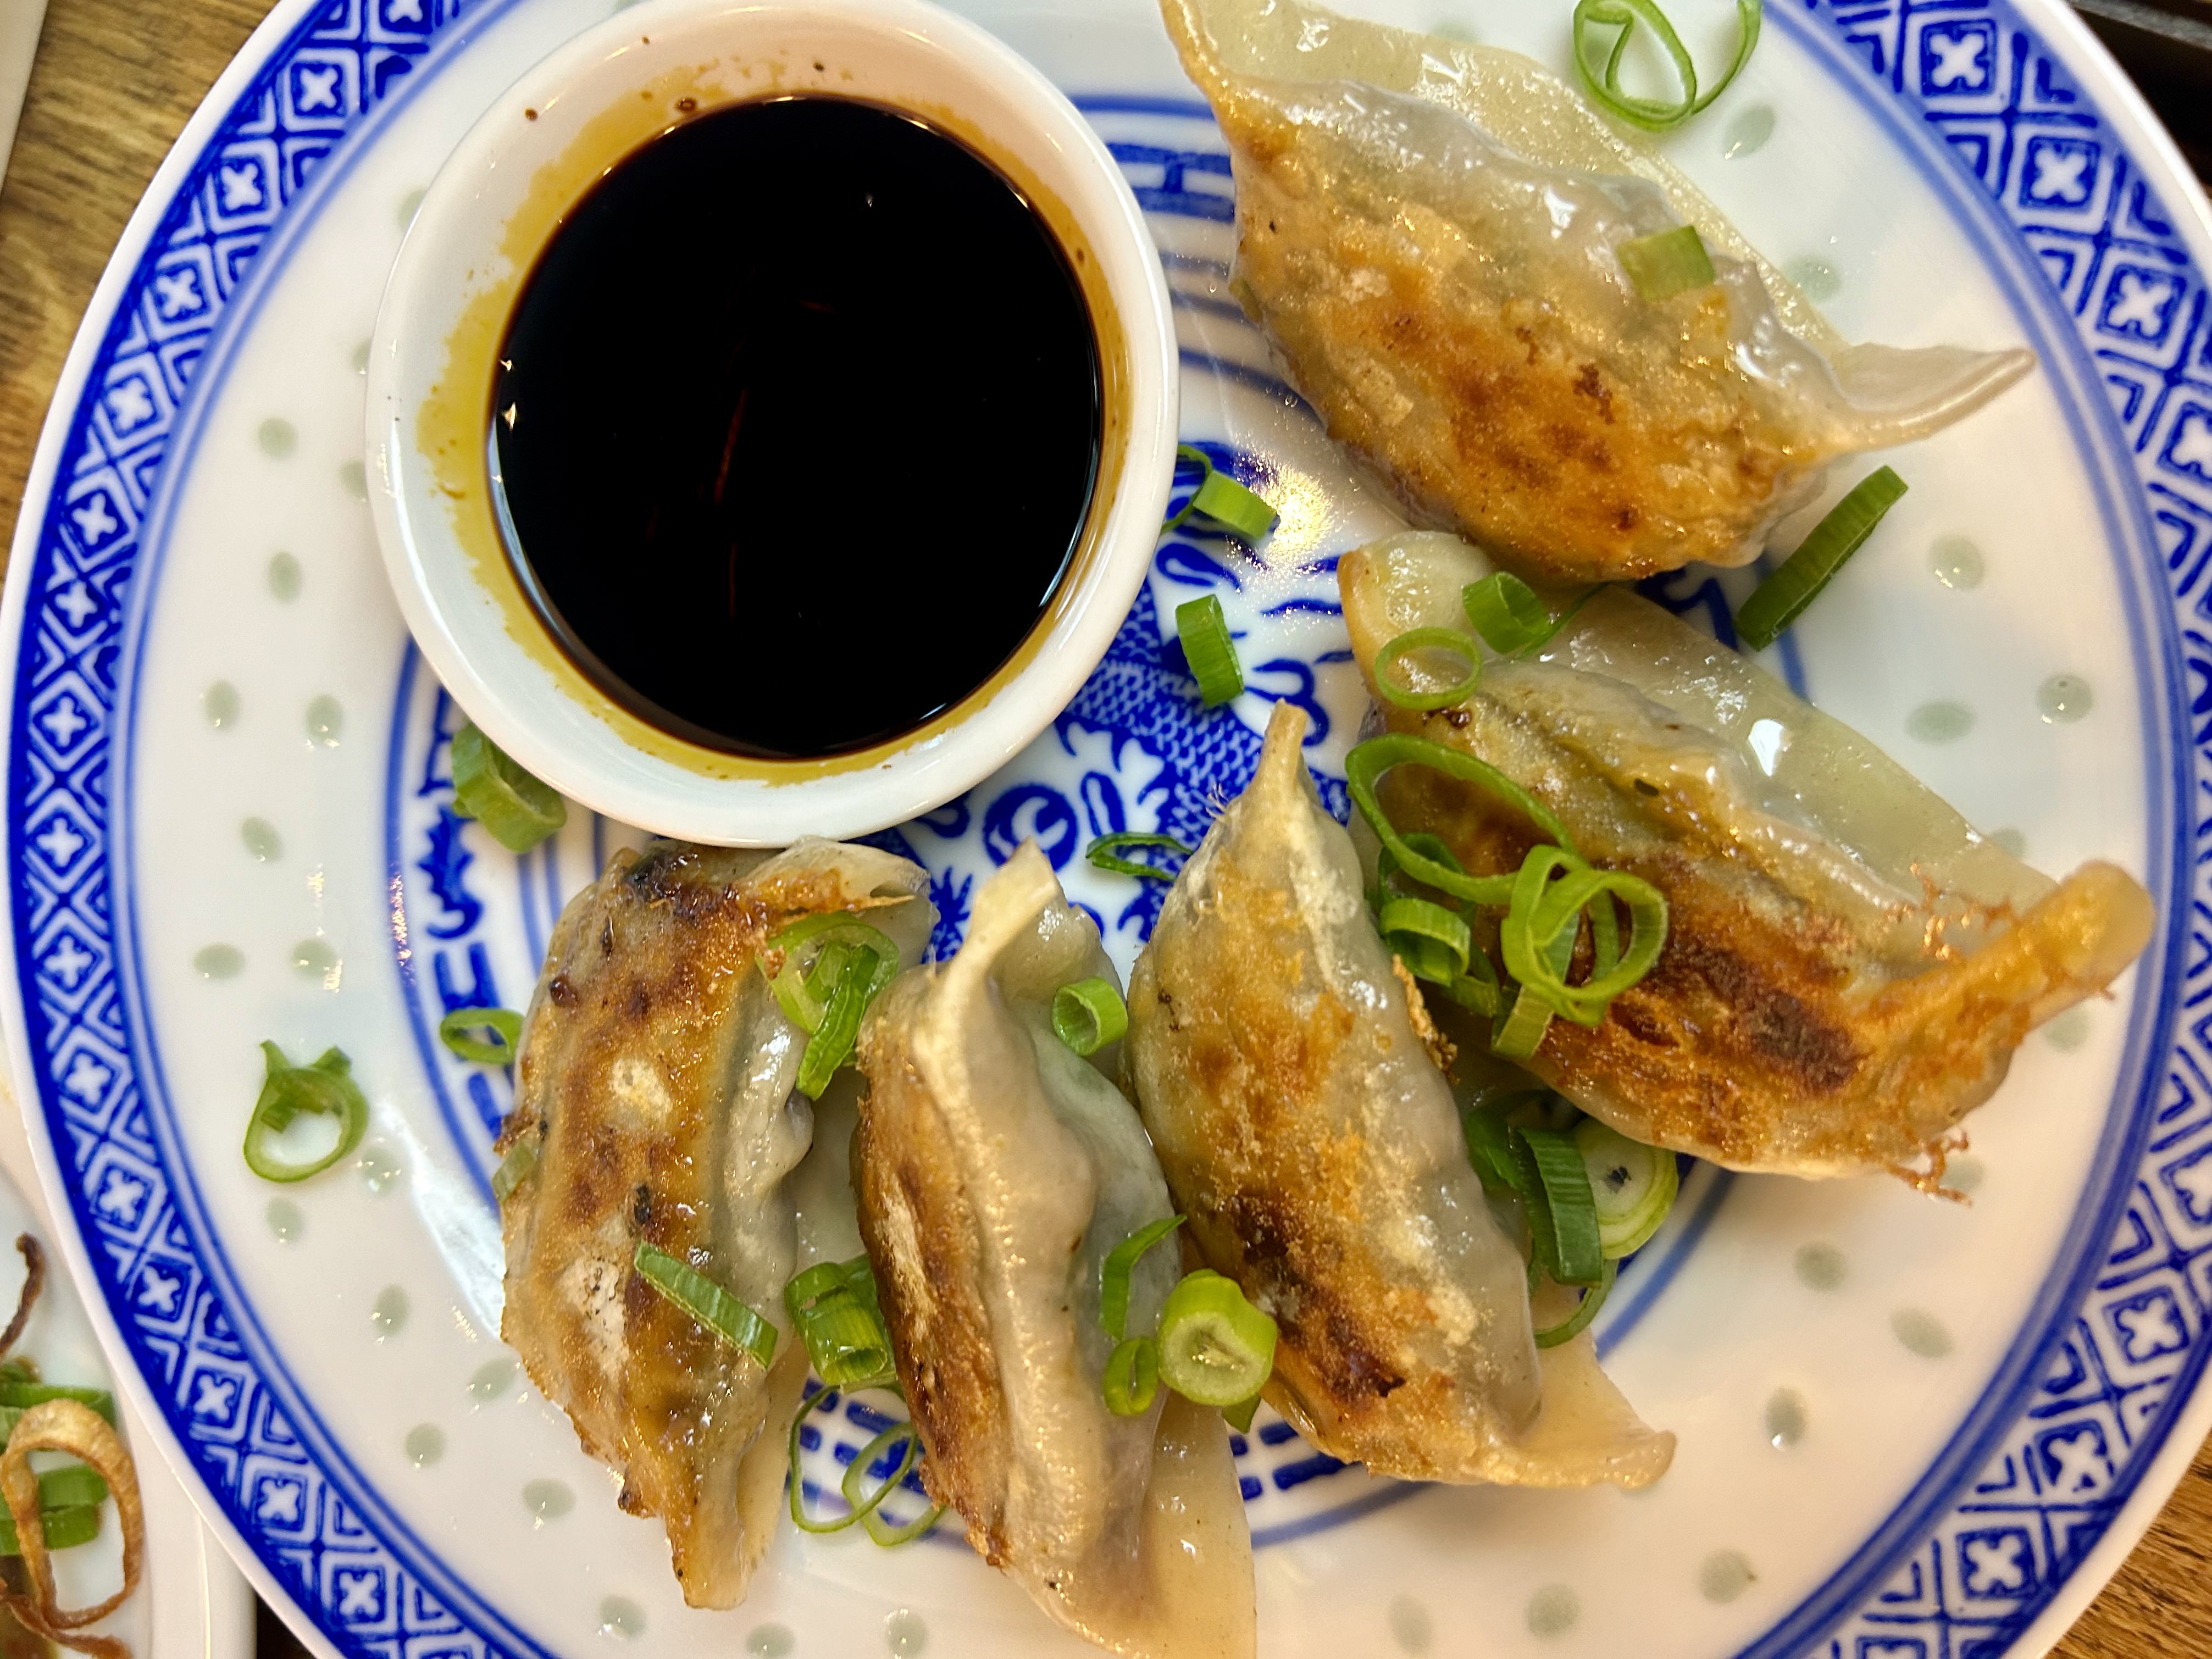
pixel 495 206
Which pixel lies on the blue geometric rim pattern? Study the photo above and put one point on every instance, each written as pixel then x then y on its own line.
pixel 1959 1576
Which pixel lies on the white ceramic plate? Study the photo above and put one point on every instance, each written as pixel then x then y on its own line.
pixel 1906 1428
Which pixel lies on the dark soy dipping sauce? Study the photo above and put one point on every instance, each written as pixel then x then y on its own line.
pixel 797 426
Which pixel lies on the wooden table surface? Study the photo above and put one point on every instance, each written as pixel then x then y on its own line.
pixel 115 81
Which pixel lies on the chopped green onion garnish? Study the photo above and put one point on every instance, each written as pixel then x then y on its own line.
pixel 1519 1032
pixel 1223 500
pixel 1216 1348
pixel 1239 1416
pixel 1102 852
pixel 834 1305
pixel 1653 114
pixel 1537 937
pixel 1428 639
pixel 514 1169
pixel 865 973
pixel 518 809
pixel 63 1527
pixel 1673 262
pixel 863 1507
pixel 1783 597
pixel 1490 1148
pixel 1364 769
pixel 815 952
pixel 458 1031
pixel 67 1488
pixel 706 1301
pixel 1114 1273
pixel 1565 1222
pixel 1632 1185
pixel 1133 1376
pixel 1208 649
pixel 1558 623
pixel 865 1503
pixel 289 1093
pixel 1506 612
pixel 22 1396
pixel 1593 1299
pixel 1088 1014
pixel 1434 943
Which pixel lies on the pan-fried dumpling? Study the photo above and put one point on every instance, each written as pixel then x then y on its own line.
pixel 1428 235
pixel 995 1171
pixel 1847 965
pixel 656 1079
pixel 1316 1149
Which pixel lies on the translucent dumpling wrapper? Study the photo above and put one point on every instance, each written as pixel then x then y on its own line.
pixel 1849 966
pixel 1316 1147
pixel 1429 236
pixel 995 1170
pixel 656 1082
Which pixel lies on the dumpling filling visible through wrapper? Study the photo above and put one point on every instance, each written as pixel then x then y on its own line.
pixel 1849 966
pixel 995 1171
pixel 1316 1147
pixel 1427 235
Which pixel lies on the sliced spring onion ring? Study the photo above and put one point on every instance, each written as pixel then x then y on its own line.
pixel 1653 114
pixel 1103 853
pixel 905 1435
pixel 1585 1310
pixel 834 1305
pixel 1521 1026
pixel 22 1396
pixel 1428 639
pixel 1565 1222
pixel 1434 943
pixel 1559 624
pixel 69 1487
pixel 825 1400
pixel 815 951
pixel 1132 1381
pixel 518 809
pixel 458 1031
pixel 289 1093
pixel 1207 648
pixel 1632 1185
pixel 1239 1416
pixel 831 1045
pixel 1544 919
pixel 1216 1348
pixel 706 1301
pixel 64 1528
pixel 1088 1014
pixel 1114 1273
pixel 514 1169
pixel 1364 769
pixel 1506 612
pixel 1490 1149
pixel 1673 262
pixel 1223 502
pixel 1782 597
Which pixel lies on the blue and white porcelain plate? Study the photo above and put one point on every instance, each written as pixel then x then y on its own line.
pixel 1908 1430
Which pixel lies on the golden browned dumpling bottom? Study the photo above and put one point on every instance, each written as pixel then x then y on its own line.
pixel 1495 419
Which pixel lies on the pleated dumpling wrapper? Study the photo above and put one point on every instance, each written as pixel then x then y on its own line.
pixel 1429 235
pixel 995 1170
pixel 656 1081
pixel 1317 1151
pixel 1847 965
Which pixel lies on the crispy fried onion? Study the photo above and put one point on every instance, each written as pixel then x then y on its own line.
pixel 66 1425
pixel 34 1280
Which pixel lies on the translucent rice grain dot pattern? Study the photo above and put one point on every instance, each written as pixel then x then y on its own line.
pixel 1921 1333
pixel 219 704
pixel 218 961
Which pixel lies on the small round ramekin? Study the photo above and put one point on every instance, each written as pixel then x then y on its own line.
pixel 491 210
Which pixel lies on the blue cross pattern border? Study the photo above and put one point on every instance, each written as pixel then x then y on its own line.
pixel 1969 1561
